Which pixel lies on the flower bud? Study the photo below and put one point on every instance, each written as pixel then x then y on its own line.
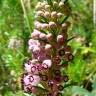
pixel 36 49
pixel 43 4
pixel 42 36
pixel 47 7
pixel 46 14
pixel 59 15
pixel 40 13
pixel 35 34
pixel 55 3
pixel 61 4
pixel 45 26
pixel 54 14
pixel 32 80
pixel 60 39
pixel 49 36
pixel 38 7
pixel 52 25
pixel 33 42
pixel 47 62
pixel 65 25
pixel 48 47
pixel 38 25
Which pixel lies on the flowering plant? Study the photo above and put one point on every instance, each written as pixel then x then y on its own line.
pixel 50 50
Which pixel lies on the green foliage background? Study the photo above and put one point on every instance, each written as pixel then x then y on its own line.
pixel 16 21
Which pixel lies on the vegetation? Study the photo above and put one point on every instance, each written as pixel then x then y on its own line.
pixel 16 25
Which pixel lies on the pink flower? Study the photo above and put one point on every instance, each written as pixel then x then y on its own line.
pixel 49 36
pixel 32 68
pixel 35 34
pixel 41 56
pixel 36 49
pixel 38 25
pixel 60 39
pixel 52 25
pixel 45 26
pixel 59 15
pixel 42 36
pixel 54 14
pixel 32 80
pixel 47 62
pixel 33 43
pixel 46 14
pixel 36 80
pixel 48 47
pixel 39 13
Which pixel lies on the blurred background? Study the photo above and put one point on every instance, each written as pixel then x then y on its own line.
pixel 16 24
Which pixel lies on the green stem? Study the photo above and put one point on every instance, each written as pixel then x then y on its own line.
pixel 25 15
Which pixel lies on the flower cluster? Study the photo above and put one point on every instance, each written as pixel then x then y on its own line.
pixel 50 50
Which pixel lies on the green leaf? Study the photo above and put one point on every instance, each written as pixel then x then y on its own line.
pixel 50 2
pixel 80 91
pixel 64 19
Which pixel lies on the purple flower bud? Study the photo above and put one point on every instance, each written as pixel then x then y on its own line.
pixel 41 55
pixel 35 34
pixel 59 15
pixel 47 14
pixel 43 4
pixel 49 94
pixel 36 49
pixel 33 42
pixel 49 36
pixel 45 26
pixel 52 25
pixel 60 39
pixel 38 25
pixel 48 47
pixel 47 62
pixel 54 14
pixel 47 7
pixel 39 13
pixel 50 83
pixel 42 36
pixel 55 3
pixel 61 4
